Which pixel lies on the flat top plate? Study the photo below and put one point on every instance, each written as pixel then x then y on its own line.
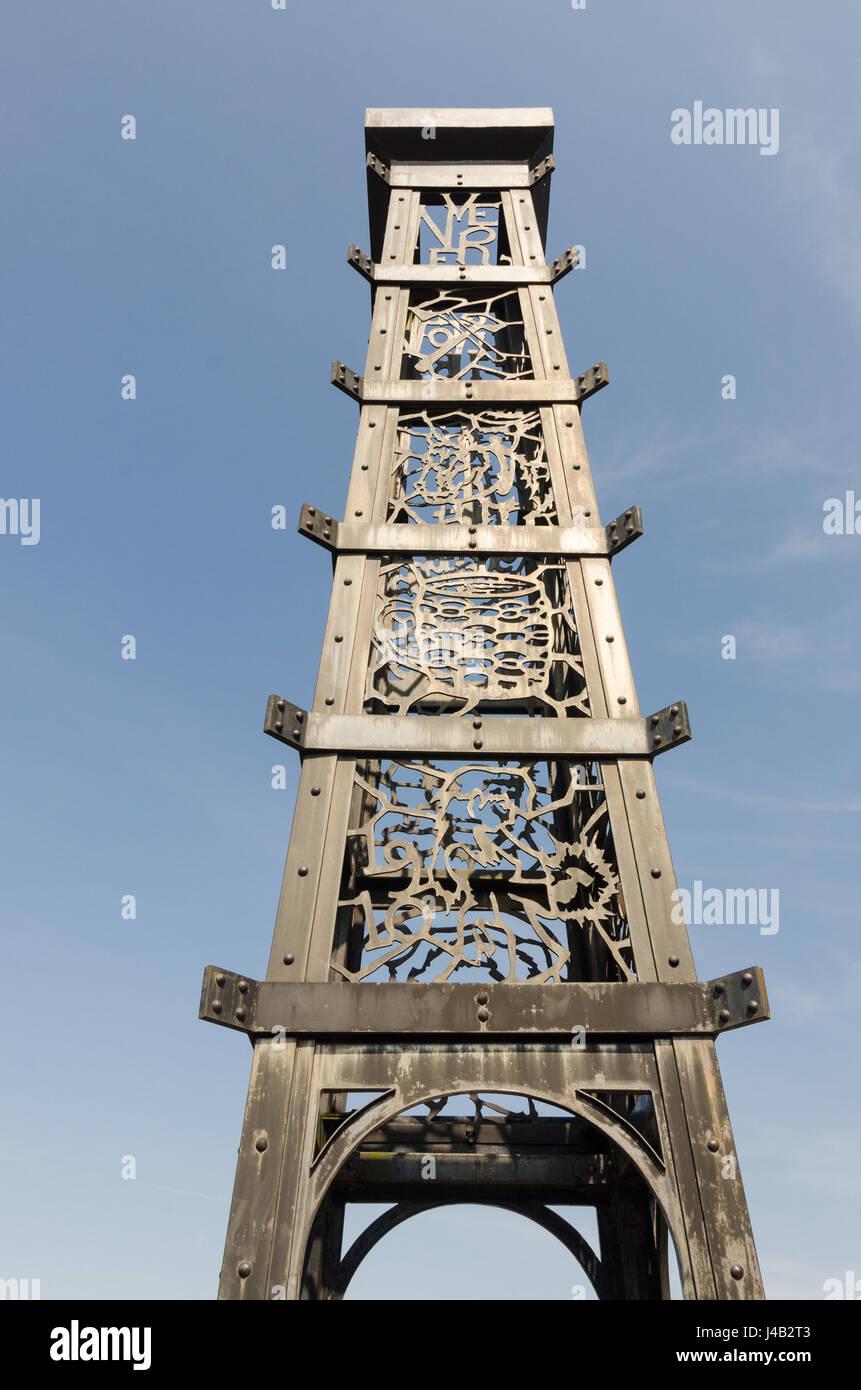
pixel 478 133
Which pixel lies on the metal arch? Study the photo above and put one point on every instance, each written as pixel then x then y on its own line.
pixel 351 1134
pixel 550 1221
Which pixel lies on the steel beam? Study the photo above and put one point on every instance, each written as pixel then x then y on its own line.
pixel 567 542
pixel 440 391
pixel 583 1012
pixel 503 736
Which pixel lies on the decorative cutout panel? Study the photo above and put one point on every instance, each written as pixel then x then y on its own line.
pixel 456 336
pixel 501 871
pixel 458 633
pixel 485 469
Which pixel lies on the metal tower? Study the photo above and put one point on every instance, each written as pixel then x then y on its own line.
pixel 478 991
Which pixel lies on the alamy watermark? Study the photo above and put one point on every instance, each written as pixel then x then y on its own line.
pixel 736 125
pixel 727 907
pixel 21 517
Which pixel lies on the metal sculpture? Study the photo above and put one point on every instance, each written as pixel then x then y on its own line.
pixel 478 989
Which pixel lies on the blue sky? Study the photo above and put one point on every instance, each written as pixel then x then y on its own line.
pixel 151 777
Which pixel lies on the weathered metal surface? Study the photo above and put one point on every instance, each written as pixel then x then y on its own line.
pixel 579 1011
pixel 478 894
pixel 497 737
pixel 569 542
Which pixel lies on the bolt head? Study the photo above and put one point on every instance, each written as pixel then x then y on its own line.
pixel 244 1269
pixel 713 1146
pixel 737 1271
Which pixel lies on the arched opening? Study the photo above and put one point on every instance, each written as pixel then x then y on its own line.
pixel 586 1177
pixel 462 1252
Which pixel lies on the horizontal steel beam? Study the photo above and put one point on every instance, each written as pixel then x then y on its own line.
pixel 503 736
pixel 579 1012
pixel 507 1168
pixel 412 539
pixel 377 274
pixel 452 175
pixel 514 391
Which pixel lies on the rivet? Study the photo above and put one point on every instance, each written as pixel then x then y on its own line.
pixel 217 1006
pixel 622 700
pixel 338 637
pixel 477 743
pixel 297 733
pixel 674 710
pixel 347 583
pixel 719 987
pixel 724 1016
pixel 279 725
pixel 677 729
pixel 736 1271
pixel 476 723
pixel 280 704
pixel 289 959
pixel 329 700
pixel 747 978
pixel 483 1015
pixel 372 424
pixel 261 1144
pixel 657 739
pixel 240 1014
pixel 641 796
pixel 674 960
pixel 219 980
pixel 303 870
pixel 713 1146
pixel 656 873
pixel 752 1007
pixel 655 721
pixel 244 1270
pixel 242 986
pixel 298 716
pixel 599 582
pixel 569 424
pixel 609 639
pixel 358 513
pixel 315 791
pixel 481 999
pixel 364 468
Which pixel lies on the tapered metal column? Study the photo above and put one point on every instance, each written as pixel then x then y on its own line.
pixel 478 894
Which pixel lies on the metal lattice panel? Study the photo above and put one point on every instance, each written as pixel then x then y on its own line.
pixel 488 468
pixel 460 232
pixel 462 634
pixel 504 872
pixel 466 337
